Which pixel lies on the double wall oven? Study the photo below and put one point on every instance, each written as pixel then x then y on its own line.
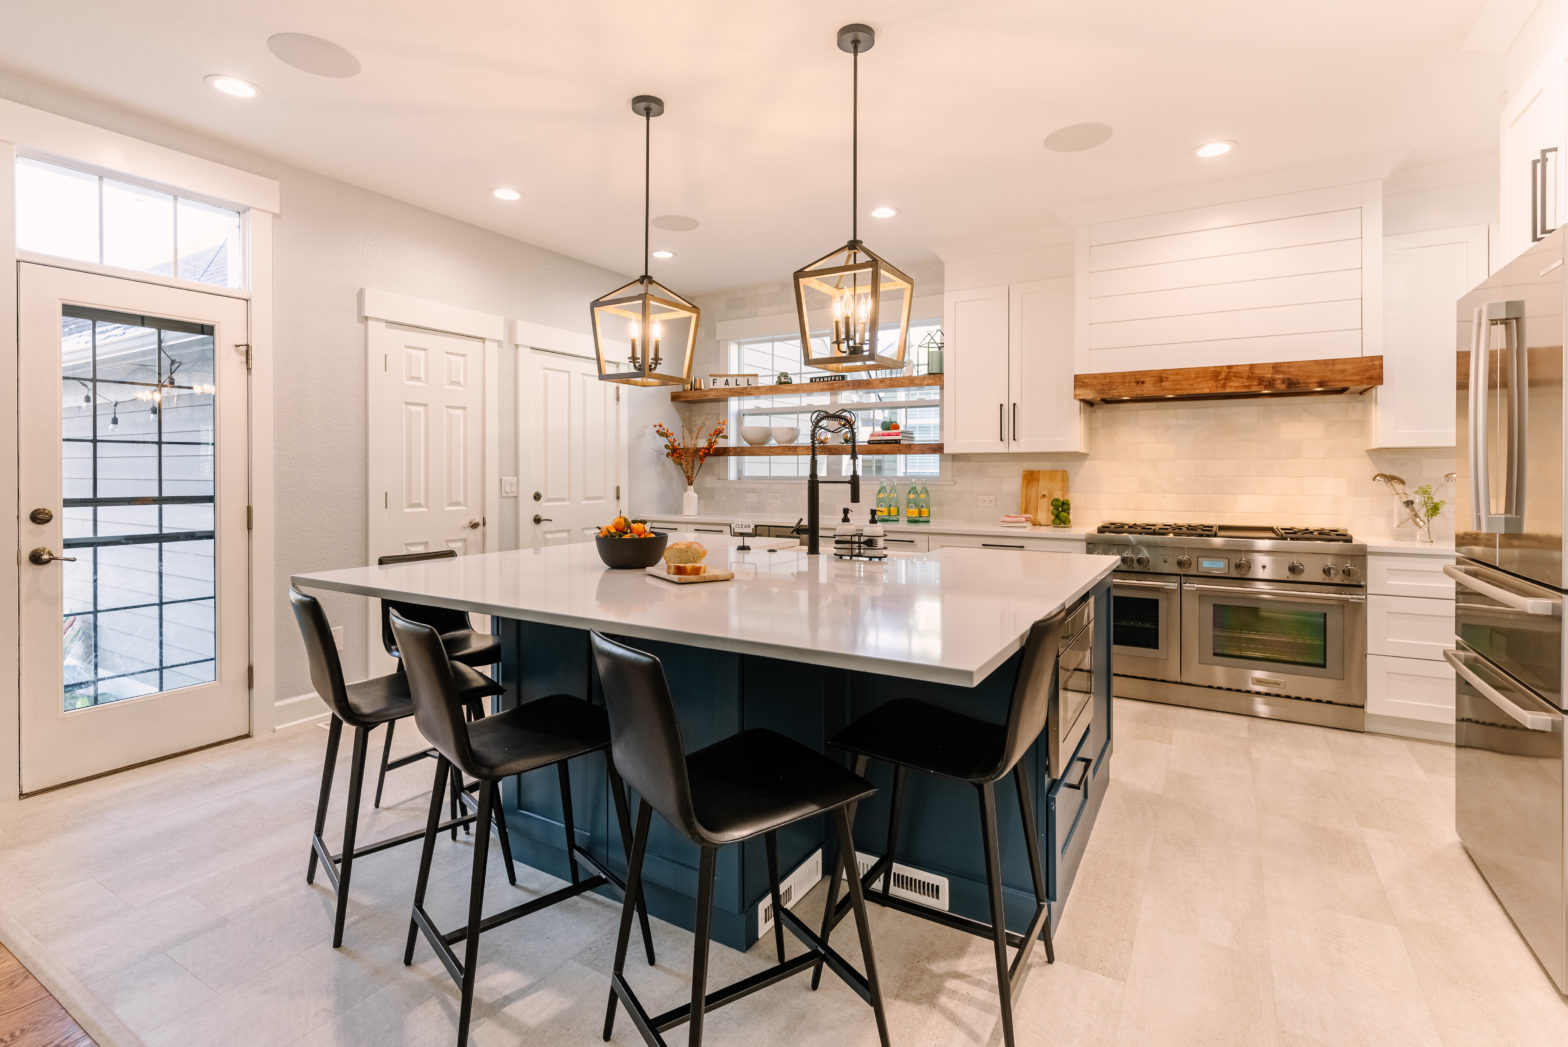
pixel 1260 620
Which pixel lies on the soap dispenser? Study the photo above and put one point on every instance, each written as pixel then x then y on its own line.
pixel 844 533
pixel 874 534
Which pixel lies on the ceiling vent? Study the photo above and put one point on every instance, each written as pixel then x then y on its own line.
pixel 1351 374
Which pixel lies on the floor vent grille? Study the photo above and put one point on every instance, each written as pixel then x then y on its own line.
pixel 914 885
pixel 795 885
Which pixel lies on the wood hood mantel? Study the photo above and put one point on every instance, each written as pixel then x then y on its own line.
pixel 1351 374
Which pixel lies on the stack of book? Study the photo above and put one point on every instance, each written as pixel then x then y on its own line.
pixel 895 436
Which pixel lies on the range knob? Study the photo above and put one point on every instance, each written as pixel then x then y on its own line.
pixel 1243 565
pixel 1143 560
pixel 1184 562
pixel 1126 559
pixel 1351 572
pixel 1328 570
pixel 1295 567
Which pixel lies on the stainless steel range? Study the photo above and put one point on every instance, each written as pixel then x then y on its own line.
pixel 1268 621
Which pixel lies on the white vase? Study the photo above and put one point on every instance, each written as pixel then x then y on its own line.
pixel 689 501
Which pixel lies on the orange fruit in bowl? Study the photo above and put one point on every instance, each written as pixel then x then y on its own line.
pixel 639 530
pixel 620 524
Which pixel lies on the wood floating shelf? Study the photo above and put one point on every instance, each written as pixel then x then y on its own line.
pixel 769 450
pixel 848 385
pixel 1351 374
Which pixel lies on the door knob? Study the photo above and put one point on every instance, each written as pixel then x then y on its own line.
pixel 473 525
pixel 542 519
pixel 40 516
pixel 43 556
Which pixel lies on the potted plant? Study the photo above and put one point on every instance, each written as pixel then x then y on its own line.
pixel 689 451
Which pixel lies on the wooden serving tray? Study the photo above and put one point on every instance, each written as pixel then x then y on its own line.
pixel 658 571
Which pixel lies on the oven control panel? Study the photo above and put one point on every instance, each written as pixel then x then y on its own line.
pixel 1291 565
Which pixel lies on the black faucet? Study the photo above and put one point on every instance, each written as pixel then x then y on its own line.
pixel 845 419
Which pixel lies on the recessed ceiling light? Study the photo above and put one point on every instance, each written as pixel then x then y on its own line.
pixel 1209 150
pixel 312 54
pixel 675 223
pixel 883 212
pixel 664 254
pixel 502 192
pixel 233 85
pixel 1075 138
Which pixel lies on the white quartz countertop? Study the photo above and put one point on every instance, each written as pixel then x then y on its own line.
pixel 1066 534
pixel 950 616
pixel 1381 543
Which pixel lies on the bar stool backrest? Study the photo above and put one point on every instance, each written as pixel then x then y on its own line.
pixel 1032 691
pixel 326 672
pixel 442 619
pixel 430 684
pixel 645 737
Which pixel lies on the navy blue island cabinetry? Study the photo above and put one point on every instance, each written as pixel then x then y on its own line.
pixel 800 645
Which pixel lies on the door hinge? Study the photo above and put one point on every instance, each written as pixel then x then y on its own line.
pixel 244 347
pixel 250 518
pixel 250 677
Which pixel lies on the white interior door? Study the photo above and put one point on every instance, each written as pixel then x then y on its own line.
pixel 132 409
pixel 430 441
pixel 574 445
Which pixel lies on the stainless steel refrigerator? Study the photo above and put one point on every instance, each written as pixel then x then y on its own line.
pixel 1509 587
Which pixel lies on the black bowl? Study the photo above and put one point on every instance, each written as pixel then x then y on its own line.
pixel 631 552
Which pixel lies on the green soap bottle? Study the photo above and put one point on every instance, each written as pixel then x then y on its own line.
pixel 912 504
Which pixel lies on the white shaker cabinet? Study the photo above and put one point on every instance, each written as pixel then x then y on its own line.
pixel 1531 154
pixel 1009 380
pixel 1423 275
pixel 1410 620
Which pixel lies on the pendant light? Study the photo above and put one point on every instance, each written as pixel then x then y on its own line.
pixel 843 298
pixel 639 326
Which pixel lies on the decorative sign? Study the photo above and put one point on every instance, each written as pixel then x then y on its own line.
pixel 731 381
pixel 828 378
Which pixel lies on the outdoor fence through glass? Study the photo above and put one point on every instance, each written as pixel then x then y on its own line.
pixel 137 479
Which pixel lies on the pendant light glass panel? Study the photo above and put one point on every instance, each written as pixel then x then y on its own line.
pixel 853 310
pixel 644 334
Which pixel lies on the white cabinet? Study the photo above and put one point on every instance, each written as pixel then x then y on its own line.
pixel 1407 627
pixel 1410 622
pixel 1531 154
pixel 1009 381
pixel 1423 275
pixel 1408 575
pixel 902 542
pixel 1018 543
pixel 1411 689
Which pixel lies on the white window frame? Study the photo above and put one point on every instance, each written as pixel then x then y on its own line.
pixel 44 135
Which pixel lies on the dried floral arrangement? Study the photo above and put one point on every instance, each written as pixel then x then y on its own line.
pixel 692 448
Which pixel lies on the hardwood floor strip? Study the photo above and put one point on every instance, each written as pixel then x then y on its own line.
pixel 29 1016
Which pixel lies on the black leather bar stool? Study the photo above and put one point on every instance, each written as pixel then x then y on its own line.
pixel 462 641
pixel 914 735
pixel 748 785
pixel 363 706
pixel 535 734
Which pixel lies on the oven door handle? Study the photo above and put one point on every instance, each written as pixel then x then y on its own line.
pixel 1530 721
pixel 1130 583
pixel 1275 594
pixel 1544 606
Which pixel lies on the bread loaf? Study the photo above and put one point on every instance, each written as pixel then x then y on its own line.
pixel 685 553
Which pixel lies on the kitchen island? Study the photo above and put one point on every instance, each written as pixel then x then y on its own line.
pixel 800 645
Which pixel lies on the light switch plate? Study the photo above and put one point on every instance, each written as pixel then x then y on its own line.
pixel 985 501
pixel 508 487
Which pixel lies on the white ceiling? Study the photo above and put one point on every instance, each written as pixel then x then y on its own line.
pixel 460 96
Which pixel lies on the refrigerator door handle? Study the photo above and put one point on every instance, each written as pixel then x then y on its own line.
pixel 1514 370
pixel 1530 721
pixel 1536 605
pixel 1480 482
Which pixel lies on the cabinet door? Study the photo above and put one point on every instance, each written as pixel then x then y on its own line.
pixel 1410 688
pixel 1531 122
pixel 1042 414
pixel 1408 627
pixel 1423 275
pixel 974 391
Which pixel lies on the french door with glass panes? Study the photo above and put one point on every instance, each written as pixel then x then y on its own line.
pixel 132 487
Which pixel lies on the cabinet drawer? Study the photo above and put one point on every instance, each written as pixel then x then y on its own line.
pixel 1411 688
pixel 1007 541
pixel 1405 627
pixel 1409 576
pixel 1065 802
pixel 907 543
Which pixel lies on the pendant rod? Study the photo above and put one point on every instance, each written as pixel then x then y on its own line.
pixel 854 149
pixel 647 178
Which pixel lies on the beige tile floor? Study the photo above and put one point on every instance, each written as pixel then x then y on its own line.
pixel 1248 882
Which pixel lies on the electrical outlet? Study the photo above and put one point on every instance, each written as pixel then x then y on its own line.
pixel 985 501
pixel 508 487
pixel 337 639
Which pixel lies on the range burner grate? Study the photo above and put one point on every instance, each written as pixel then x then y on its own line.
pixel 1185 530
pixel 1161 529
pixel 1313 534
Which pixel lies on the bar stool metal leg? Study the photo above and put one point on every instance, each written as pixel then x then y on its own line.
pixel 900 777
pixel 857 902
pixel 771 843
pixel 476 903
pixel 618 794
pixel 707 867
pixel 499 811
pixel 428 850
pixel 356 781
pixel 993 875
pixel 830 916
pixel 334 733
pixel 386 757
pixel 1032 846
pixel 618 986
pixel 565 778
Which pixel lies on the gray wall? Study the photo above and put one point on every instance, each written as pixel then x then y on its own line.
pixel 331 240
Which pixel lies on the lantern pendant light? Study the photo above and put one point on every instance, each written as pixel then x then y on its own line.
pixel 843 298
pixel 640 326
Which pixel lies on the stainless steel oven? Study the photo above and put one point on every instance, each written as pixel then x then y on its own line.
pixel 1146 626
pixel 1276 638
pixel 1072 703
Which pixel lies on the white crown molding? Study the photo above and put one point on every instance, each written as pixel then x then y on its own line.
pixel 1003 243
pixel 1275 183
pixel 529 335
pixel 1435 176
pixel 432 316
pixel 51 136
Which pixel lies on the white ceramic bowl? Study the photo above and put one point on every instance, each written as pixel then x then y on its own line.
pixel 785 435
pixel 756 435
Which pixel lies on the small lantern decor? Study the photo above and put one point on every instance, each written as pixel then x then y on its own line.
pixel 644 333
pixel 843 298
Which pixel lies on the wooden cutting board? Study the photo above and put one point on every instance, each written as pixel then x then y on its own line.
pixel 658 571
pixel 1039 487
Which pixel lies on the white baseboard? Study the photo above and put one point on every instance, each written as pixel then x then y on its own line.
pixel 302 708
